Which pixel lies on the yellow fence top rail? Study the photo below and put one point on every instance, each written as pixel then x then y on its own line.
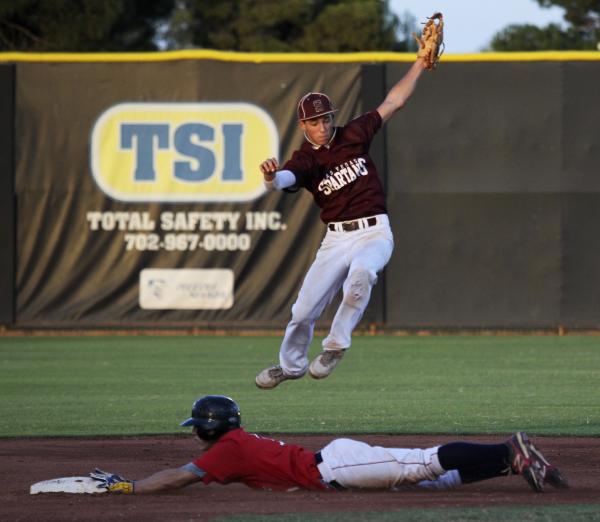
pixel 227 56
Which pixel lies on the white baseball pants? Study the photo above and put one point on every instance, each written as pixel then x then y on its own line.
pixel 348 260
pixel 357 465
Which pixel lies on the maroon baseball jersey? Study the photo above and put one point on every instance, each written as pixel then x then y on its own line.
pixel 260 463
pixel 342 177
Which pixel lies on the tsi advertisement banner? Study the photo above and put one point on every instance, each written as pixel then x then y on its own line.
pixel 182 152
pixel 141 201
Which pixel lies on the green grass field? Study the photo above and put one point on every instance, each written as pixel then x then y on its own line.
pixel 431 384
pixel 452 384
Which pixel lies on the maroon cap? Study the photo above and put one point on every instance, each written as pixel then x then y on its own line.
pixel 313 105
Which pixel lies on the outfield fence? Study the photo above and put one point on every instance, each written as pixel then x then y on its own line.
pixel 131 198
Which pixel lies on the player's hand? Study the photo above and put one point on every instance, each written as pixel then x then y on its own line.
pixel 269 167
pixel 112 482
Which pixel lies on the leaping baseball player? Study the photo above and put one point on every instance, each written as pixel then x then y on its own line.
pixel 334 165
pixel 233 455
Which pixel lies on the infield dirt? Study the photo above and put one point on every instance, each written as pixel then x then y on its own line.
pixel 25 461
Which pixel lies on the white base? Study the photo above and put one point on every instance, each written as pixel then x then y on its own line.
pixel 67 485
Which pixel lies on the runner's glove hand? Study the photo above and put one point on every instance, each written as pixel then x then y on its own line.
pixel 112 482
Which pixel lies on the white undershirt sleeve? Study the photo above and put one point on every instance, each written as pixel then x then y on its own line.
pixel 283 179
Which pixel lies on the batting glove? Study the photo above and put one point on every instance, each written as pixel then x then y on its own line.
pixel 112 482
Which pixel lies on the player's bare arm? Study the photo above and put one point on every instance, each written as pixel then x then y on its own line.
pixel 162 481
pixel 431 46
pixel 165 480
pixel 402 91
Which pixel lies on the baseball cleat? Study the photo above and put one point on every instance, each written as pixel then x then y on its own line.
pixel 527 460
pixel 555 478
pixel 324 363
pixel 552 474
pixel 522 461
pixel 271 377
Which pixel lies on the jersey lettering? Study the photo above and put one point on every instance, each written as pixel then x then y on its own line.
pixel 343 175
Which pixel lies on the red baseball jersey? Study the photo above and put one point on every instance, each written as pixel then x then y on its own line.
pixel 260 463
pixel 342 176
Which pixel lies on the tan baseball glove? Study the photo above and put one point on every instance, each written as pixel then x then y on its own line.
pixel 431 42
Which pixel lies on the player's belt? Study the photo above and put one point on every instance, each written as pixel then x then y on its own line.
pixel 334 483
pixel 350 226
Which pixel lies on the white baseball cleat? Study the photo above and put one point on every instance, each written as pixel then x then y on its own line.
pixel 272 376
pixel 324 363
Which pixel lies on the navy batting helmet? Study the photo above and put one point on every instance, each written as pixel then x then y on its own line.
pixel 214 415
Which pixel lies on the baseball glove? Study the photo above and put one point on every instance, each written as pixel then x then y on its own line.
pixel 431 42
